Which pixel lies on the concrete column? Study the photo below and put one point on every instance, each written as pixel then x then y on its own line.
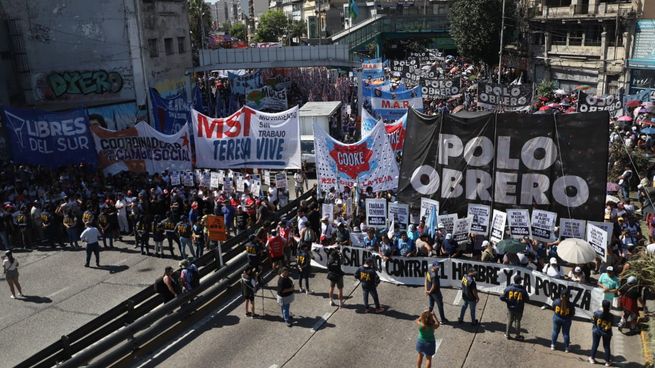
pixel 602 78
pixel 573 6
pixel 593 6
pixel 547 41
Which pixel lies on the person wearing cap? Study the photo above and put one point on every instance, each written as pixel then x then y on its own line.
pixel 184 231
pixel 369 279
pixel 469 295
pixel 609 283
pixel 433 290
pixel 189 278
pixel 602 329
pixel 577 275
pixel 630 296
pixel 553 269
pixel 450 247
pixel 10 270
pixel 342 235
pixel 488 254
pixel 515 296
pixel 285 296
pixel 563 312
pixel 275 245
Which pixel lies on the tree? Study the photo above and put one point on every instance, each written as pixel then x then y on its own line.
pixel 238 30
pixel 272 26
pixel 297 29
pixel 199 25
pixel 475 27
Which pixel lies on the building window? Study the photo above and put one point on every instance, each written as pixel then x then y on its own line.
pixel 180 45
pixel 558 37
pixel 557 3
pixel 168 46
pixel 592 36
pixel 575 36
pixel 152 47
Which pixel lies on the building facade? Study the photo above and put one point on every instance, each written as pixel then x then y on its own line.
pixel 101 56
pixel 583 42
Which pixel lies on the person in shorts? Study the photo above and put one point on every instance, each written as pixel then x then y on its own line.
pixel 335 275
pixel 425 343
pixel 248 288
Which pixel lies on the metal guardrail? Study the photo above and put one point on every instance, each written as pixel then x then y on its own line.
pixel 137 319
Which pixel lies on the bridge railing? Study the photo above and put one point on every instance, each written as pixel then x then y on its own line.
pixel 139 317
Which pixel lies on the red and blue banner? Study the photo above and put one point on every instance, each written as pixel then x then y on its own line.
pixel 170 113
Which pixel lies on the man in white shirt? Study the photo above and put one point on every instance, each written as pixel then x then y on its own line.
pixel 90 236
pixel 121 207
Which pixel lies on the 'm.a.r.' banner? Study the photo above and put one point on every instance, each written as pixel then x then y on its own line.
pixel 393 105
pixel 142 149
pixel 510 160
pixel 248 139
pixel 170 113
pixel 50 139
pixel 369 162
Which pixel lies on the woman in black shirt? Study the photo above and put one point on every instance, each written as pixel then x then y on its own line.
pixel 285 291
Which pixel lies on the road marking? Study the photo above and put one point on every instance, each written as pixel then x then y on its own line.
pixel 458 298
pixel 437 345
pixel 58 292
pixel 321 321
pixel 274 366
pixel 122 261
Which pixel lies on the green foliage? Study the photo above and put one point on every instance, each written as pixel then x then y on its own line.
pixel 475 27
pixel 198 9
pixel 272 26
pixel 238 30
pixel 545 88
pixel 621 160
pixel 297 29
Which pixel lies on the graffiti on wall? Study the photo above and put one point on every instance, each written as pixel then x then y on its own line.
pixel 84 83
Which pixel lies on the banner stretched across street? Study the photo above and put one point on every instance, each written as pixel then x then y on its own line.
pixel 369 162
pixel 490 278
pixel 142 149
pixel 248 139
pixel 507 160
pixel 392 105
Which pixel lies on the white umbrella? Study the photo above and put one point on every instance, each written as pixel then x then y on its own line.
pixel 611 198
pixel 560 92
pixel 576 251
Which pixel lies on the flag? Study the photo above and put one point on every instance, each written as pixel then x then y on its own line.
pixel 431 223
pixel 354 9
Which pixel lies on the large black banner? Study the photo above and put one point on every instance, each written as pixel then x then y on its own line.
pixel 587 103
pixel 498 97
pixel 507 160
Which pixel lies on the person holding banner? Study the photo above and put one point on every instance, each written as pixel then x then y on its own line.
pixel 515 296
pixel 602 329
pixel 370 280
pixel 469 295
pixel 426 343
pixel 433 290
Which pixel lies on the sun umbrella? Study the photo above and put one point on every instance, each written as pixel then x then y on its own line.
pixel 559 92
pixel 576 251
pixel 542 98
pixel 544 108
pixel 609 198
pixel 510 246
pixel 458 109
pixel 649 131
pixel 582 88
pixel 553 105
pixel 625 118
pixel 633 103
pixel 612 187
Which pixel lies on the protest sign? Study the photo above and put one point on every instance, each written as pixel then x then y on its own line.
pixel 267 98
pixel 542 225
pixel 170 113
pixel 281 180
pixel 497 226
pixel 369 162
pixel 175 179
pixel 507 160
pixel 481 214
pixel 490 278
pixel 518 221
pixel 256 187
pixel 607 226
pixel 587 103
pixel 50 139
pixel 399 214
pixel 598 238
pixel 228 185
pixel 214 180
pixel 448 222
pixel 216 228
pixel 205 179
pixel 142 149
pixel 461 229
pixel 248 139
pixel 492 96
pixel 392 105
pixel 187 179
pixel 267 177
pixel 241 187
pixel 376 213
pixel 570 228
pixel 327 209
pixel 239 84
pixel 427 205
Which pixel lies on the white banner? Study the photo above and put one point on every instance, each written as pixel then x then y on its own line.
pixel 399 212
pixel 498 226
pixel 448 222
pixel 481 214
pixel 571 228
pixel 461 229
pixel 543 225
pixel 248 139
pixel 518 221
pixel 369 162
pixel 328 209
pixel 597 237
pixel 376 212
pixel 267 98
pixel 490 278
pixel 427 205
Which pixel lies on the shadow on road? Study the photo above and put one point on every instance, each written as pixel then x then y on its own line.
pixel 113 268
pixel 35 299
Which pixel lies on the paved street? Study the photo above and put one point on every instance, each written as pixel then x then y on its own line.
pixel 61 295
pixel 349 338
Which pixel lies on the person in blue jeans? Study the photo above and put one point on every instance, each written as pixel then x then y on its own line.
pixel 433 290
pixel 602 329
pixel 469 295
pixel 370 280
pixel 285 294
pixel 562 318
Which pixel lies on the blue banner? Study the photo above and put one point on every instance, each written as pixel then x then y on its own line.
pixel 372 70
pixel 393 105
pixel 50 139
pixel 170 113
pixel 198 102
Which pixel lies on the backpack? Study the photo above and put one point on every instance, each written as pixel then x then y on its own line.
pixel 194 277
